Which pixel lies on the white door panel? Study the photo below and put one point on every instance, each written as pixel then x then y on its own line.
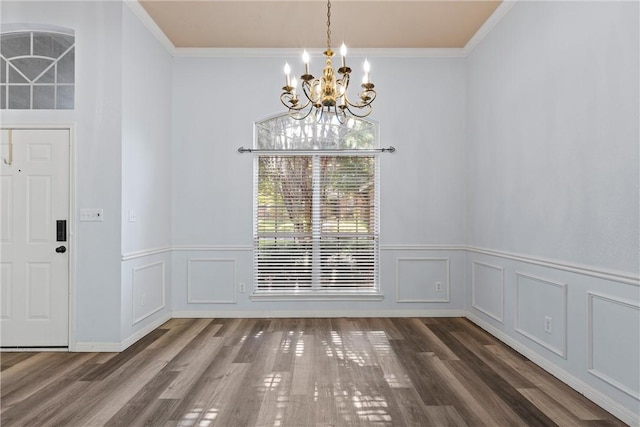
pixel 34 290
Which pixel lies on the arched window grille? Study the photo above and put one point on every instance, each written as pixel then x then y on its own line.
pixel 37 69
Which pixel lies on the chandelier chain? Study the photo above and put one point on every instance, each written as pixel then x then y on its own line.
pixel 328 25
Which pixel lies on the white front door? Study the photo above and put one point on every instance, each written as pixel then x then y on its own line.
pixel 34 279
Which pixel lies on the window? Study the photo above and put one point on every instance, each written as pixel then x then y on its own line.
pixel 316 208
pixel 37 69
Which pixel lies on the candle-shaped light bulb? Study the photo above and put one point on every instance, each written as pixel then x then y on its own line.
pixel 305 59
pixel 294 83
pixel 287 71
pixel 343 52
pixel 367 68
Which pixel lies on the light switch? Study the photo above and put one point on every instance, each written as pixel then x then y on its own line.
pixel 132 216
pixel 93 214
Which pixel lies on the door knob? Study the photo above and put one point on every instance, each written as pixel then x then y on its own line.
pixel 61 249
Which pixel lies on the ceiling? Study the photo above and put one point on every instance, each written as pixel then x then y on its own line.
pixel 302 23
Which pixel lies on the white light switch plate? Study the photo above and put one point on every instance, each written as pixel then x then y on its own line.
pixel 92 214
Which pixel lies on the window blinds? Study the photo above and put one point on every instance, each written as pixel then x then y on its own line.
pixel 316 223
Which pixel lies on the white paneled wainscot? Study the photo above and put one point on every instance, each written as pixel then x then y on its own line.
pixel 146 293
pixel 211 281
pixel 537 299
pixel 487 289
pixel 148 288
pixel 580 323
pixel 422 280
pixel 612 352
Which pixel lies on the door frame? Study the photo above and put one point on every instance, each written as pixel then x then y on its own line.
pixel 72 224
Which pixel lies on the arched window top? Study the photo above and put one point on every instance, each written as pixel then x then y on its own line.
pixel 37 67
pixel 284 133
pixel 15 27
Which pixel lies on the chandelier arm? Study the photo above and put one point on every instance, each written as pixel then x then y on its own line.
pixel 307 89
pixel 370 93
pixel 344 82
pixel 300 114
pixel 341 114
pixel 367 108
pixel 287 97
pixel 318 114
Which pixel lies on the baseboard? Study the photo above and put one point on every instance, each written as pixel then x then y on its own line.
pixel 116 347
pixel 580 386
pixel 97 347
pixel 144 331
pixel 182 314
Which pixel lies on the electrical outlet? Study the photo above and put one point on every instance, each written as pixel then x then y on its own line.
pixel 242 288
pixel 438 287
pixel 548 325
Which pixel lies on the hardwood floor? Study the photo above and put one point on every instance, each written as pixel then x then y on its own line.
pixel 294 372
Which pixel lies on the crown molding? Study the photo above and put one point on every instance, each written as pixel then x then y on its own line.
pixel 151 25
pixel 294 52
pixel 497 15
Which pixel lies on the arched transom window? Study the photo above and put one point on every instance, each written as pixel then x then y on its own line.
pixel 37 69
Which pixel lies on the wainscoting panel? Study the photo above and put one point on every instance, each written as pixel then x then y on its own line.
pixel 541 312
pixel 211 281
pixel 422 280
pixel 145 297
pixel 487 289
pixel 6 290
pixel 613 351
pixel 148 286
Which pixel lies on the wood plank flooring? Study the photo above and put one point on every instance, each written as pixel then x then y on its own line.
pixel 294 372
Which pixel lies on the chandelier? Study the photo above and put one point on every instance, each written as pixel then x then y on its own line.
pixel 327 93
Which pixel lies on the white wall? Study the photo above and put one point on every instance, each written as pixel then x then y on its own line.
pixel 553 192
pixel 553 134
pixel 97 119
pixel 421 108
pixel 122 123
pixel 146 138
pixel 146 178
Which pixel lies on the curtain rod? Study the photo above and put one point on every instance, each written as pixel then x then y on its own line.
pixel 391 149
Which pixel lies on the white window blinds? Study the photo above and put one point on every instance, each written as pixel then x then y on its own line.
pixel 316 225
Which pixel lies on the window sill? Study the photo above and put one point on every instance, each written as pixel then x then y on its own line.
pixel 317 296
